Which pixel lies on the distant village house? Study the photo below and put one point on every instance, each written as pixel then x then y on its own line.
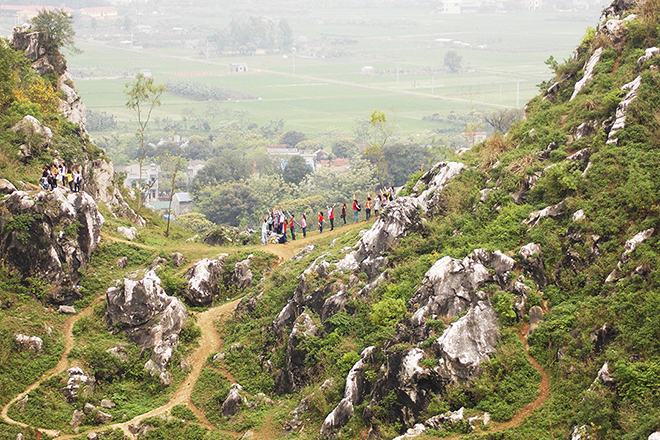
pixel 238 68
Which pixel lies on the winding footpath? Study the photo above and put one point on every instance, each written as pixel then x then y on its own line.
pixel 210 341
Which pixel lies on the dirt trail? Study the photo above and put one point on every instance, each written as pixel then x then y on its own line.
pixel 527 410
pixel 61 366
pixel 209 342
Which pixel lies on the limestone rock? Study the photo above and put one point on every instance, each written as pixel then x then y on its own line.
pixel 531 257
pixel 64 229
pixel 302 252
pixel 119 353
pixel 296 373
pixel 67 310
pixel 467 342
pixel 103 417
pixel 535 318
pixel 622 108
pixel 452 286
pixel 38 136
pixel 550 211
pixel 6 187
pixel 204 278
pixel 88 408
pixel 413 432
pixel 157 263
pixel 148 316
pixel 648 54
pixel 654 436
pixel 76 418
pixel 177 259
pixel 122 262
pixel 78 381
pixel 232 404
pixel 130 233
pixel 579 215
pixel 452 419
pixel 107 403
pixel 353 395
pixel 33 343
pixel 588 72
pixel 242 277
pixel 71 106
pixel 92 436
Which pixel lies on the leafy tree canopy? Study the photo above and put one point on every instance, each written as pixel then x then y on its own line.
pixel 57 26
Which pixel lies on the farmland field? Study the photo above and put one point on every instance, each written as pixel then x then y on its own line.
pixel 322 87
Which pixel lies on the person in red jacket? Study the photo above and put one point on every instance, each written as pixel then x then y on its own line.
pixel 283 225
pixel 321 219
pixel 356 208
pixel 331 216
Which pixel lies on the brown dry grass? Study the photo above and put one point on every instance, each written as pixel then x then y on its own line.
pixel 490 151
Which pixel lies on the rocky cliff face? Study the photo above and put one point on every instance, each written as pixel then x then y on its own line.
pixel 99 177
pixel 50 234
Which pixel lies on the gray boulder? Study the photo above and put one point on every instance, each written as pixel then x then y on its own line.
pixel 232 404
pixel 177 259
pixel 654 436
pixel 103 417
pixel 76 418
pixel 588 72
pixel 622 109
pixel 148 317
pixel 466 343
pixel 242 277
pixel 551 211
pixel 535 318
pixel 302 252
pixel 67 310
pixel 37 135
pixel 6 187
pixel 130 233
pixel 531 257
pixel 204 278
pixel 34 343
pixel 122 262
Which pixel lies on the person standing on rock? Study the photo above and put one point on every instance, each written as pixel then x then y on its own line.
pixel 321 220
pixel 331 216
pixel 303 225
pixel 77 180
pixel 343 212
pixel 264 232
pixel 376 204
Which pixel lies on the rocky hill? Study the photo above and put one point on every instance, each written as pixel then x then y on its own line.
pixel 510 292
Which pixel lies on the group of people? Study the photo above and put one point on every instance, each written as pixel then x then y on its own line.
pixel 277 222
pixel 59 175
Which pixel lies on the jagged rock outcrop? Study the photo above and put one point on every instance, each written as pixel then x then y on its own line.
pixel 78 381
pixel 34 343
pixel 467 342
pixel 129 233
pixel 51 234
pixel 451 286
pixel 353 395
pixel 204 278
pixel 296 372
pixel 588 72
pixel 242 277
pixel 232 403
pixel 149 317
pixel 629 248
pixel 550 211
pixel 531 257
pixel 622 109
pixel 37 136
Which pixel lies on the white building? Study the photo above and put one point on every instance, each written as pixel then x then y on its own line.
pixel 149 179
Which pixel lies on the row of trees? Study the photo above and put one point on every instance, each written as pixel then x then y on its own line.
pixel 254 33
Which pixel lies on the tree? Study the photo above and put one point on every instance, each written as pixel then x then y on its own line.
pixel 502 120
pixel 296 170
pixel 375 152
pixel 228 204
pixel 403 160
pixel 57 26
pixel 227 166
pixel 169 206
pixel 286 34
pixel 453 61
pixel 344 148
pixel 292 137
pixel 142 97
